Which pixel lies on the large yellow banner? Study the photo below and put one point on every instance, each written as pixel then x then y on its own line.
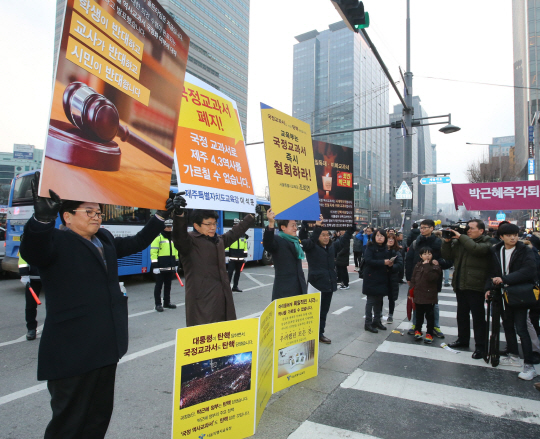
pixel 226 372
pixel 290 165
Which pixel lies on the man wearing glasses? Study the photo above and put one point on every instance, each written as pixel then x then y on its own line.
pixel 86 327
pixel 202 253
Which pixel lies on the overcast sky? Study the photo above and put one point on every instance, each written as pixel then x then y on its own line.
pixel 461 40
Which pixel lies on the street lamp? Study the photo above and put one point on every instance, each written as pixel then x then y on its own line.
pixel 500 154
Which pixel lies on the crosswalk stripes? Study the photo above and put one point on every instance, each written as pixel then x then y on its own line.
pixel 408 389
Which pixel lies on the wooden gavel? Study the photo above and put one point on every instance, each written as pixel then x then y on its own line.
pixel 97 117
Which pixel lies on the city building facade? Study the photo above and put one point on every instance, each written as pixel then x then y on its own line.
pixel 339 85
pixel 219 44
pixel 11 165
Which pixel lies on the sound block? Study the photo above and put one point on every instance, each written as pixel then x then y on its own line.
pixel 68 144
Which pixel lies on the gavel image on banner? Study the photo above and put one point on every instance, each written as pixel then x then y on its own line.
pixel 88 141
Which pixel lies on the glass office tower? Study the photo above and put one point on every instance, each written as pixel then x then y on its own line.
pixel 338 85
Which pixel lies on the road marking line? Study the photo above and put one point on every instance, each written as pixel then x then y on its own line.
pixel 250 277
pixel 22 393
pixel 447 302
pixel 309 430
pixel 448 330
pixel 447 295
pixel 342 310
pixel 457 398
pixel 434 352
pixel 22 338
pixel 147 351
pixel 34 389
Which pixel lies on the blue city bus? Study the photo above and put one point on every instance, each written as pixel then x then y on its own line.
pixel 120 221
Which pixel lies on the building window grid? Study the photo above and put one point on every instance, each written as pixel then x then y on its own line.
pixel 211 29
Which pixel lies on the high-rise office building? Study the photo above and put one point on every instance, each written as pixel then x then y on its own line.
pixel 423 162
pixel 338 85
pixel 219 44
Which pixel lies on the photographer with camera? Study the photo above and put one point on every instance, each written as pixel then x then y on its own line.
pixel 514 268
pixel 472 263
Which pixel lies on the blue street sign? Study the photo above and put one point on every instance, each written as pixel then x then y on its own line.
pixel 531 134
pixel 530 166
pixel 501 216
pixel 435 180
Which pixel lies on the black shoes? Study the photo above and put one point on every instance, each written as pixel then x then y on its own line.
pixel 169 305
pixel 379 325
pixel 237 290
pixel 370 328
pixel 459 344
pixel 477 355
pixel 324 339
pixel 159 308
pixel 31 334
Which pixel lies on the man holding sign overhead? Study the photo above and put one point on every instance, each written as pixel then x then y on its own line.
pixel 287 254
pixel 202 253
pixel 86 328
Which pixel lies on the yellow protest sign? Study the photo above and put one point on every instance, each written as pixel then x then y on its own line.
pixel 296 351
pixel 210 153
pixel 214 391
pixel 290 165
pixel 266 358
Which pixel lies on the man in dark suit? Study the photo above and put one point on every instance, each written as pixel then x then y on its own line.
pixel 86 327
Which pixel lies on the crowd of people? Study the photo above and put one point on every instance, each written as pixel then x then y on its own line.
pixel 501 266
pixel 85 332
pixel 231 379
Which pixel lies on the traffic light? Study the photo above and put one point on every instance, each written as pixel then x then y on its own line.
pixel 353 14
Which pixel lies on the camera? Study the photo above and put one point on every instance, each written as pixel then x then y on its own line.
pixel 460 227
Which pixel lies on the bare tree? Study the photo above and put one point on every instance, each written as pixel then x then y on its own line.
pixel 485 170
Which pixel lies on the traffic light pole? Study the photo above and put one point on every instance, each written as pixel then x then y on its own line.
pixel 408 110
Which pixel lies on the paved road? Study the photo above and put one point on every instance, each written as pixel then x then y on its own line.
pixel 369 385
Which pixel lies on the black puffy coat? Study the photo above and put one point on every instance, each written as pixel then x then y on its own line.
pixel 321 265
pixel 376 273
pixel 522 267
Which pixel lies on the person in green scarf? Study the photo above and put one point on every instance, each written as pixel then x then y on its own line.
pixel 287 254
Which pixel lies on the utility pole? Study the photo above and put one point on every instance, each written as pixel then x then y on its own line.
pixel 408 113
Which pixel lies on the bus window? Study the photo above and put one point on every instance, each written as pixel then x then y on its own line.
pixel 229 217
pixel 22 192
pixel 125 215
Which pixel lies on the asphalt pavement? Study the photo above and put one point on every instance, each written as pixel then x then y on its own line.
pixel 382 385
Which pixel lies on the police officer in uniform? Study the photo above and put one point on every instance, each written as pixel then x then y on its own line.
pixel 164 265
pixel 30 278
pixel 237 254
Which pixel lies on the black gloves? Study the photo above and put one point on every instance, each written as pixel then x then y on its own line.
pixel 169 207
pixel 45 209
pixel 353 229
pixel 179 203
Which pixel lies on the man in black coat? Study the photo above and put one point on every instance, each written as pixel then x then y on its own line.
pixel 413 234
pixel 86 327
pixel 320 254
pixel 287 255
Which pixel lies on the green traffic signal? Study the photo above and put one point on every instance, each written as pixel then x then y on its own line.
pixel 364 23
